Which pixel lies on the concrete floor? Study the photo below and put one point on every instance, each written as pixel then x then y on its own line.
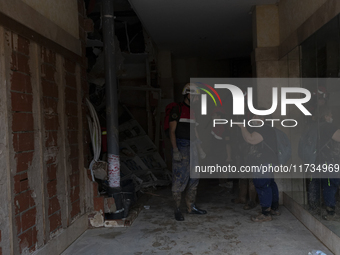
pixel 226 229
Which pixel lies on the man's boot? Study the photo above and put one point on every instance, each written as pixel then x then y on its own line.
pixel 275 209
pixel 178 215
pixel 177 197
pixel 252 196
pixel 190 199
pixel 263 216
pixel 242 194
pixel 331 215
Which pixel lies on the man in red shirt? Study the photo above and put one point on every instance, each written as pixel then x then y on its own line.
pixel 182 119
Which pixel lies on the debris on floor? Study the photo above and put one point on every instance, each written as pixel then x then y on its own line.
pixel 141 166
pixel 225 229
pixel 315 252
pixel 140 159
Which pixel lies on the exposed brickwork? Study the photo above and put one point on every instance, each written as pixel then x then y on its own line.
pixel 75 194
pixel 21 102
pixel 48 71
pixel 98 201
pixel 50 89
pixel 84 83
pixel 25 239
pixel 51 139
pixel 28 219
pixel 75 209
pixel 22 122
pixel 53 207
pixel 21 82
pixel 72 137
pixel 71 111
pixel 52 172
pixel 20 63
pixel 20 182
pixel 23 45
pixel 50 93
pixel 23 201
pixel 70 66
pixel 23 141
pixel 98 204
pixel 25 120
pixel 55 221
pixel 24 160
pixel 71 94
pixel 52 188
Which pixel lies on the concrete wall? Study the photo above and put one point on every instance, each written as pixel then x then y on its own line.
pixel 60 12
pixel 278 30
pixel 41 21
pixel 43 142
pixel 301 19
pixel 266 41
pixel 292 14
pixel 267 26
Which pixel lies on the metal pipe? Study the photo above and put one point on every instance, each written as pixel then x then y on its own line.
pixel 111 94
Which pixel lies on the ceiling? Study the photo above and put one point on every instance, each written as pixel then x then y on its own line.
pixel 214 29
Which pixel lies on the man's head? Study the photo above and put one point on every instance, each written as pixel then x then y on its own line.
pixel 218 113
pixel 190 93
pixel 325 114
pixel 321 95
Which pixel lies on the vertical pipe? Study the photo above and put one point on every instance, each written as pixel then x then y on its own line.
pixel 111 94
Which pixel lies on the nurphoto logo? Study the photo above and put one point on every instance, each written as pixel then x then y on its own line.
pixel 239 104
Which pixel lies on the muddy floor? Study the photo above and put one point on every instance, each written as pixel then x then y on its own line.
pixel 226 229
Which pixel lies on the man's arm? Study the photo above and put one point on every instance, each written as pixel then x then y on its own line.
pixel 172 130
pixel 199 147
pixel 252 138
pixel 176 154
pixel 336 136
pixel 228 147
pixel 229 158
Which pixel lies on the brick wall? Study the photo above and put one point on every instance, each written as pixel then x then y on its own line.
pixel 50 101
pixel 71 114
pixel 43 111
pixel 23 142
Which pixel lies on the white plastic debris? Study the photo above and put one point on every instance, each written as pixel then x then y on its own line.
pixel 316 252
